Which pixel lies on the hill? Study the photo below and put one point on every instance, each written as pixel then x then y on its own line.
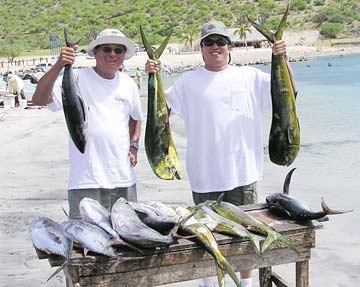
pixel 29 25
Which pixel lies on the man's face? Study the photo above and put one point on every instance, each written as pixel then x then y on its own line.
pixel 215 50
pixel 109 57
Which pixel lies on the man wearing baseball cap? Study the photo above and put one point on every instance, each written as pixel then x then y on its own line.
pixel 222 108
pixel 105 171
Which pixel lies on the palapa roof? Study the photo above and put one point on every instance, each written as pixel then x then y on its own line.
pixel 253 36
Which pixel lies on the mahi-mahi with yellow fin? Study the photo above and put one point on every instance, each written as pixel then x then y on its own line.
pixel 159 145
pixel 284 139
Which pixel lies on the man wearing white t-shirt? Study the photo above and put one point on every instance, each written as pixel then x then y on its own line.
pixel 105 171
pixel 222 108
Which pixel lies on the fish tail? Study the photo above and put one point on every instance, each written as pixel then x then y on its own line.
pixel 255 240
pixel 281 27
pixel 61 267
pixel 220 275
pixel 162 47
pixel 68 41
pixel 287 181
pixel 287 243
pixel 146 43
pixel 267 34
pixel 231 272
pixel 329 211
pixel 269 239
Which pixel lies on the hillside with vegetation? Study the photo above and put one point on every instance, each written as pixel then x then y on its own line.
pixel 29 24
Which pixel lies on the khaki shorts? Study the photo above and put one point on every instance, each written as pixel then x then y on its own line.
pixel 106 197
pixel 238 196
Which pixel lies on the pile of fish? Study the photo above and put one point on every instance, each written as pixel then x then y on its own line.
pixel 136 226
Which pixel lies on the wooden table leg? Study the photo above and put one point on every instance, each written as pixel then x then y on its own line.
pixel 302 274
pixel 265 277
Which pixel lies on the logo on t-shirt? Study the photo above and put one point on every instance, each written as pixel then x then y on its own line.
pixel 120 100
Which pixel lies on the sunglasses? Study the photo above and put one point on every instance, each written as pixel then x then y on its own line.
pixel 117 51
pixel 211 42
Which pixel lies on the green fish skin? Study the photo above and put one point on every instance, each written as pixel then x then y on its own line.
pixel 220 224
pixel 206 238
pixel 235 213
pixel 284 139
pixel 159 145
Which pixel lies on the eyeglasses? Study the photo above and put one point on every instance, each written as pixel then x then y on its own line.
pixel 211 42
pixel 118 50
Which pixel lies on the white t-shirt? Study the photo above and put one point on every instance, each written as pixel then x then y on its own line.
pixel 223 119
pixel 105 162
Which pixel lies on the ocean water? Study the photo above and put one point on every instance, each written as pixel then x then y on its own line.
pixel 327 166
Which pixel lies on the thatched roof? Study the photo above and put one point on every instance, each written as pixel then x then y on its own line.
pixel 253 36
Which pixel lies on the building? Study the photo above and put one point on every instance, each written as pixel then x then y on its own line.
pixel 253 39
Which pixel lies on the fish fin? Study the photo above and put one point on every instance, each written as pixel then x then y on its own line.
pixel 287 181
pixel 85 251
pixel 329 211
pixel 61 267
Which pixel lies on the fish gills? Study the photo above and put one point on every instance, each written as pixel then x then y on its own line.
pixel 159 145
pixel 284 138
pixel 73 105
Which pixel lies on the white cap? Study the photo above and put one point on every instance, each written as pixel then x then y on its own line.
pixel 112 36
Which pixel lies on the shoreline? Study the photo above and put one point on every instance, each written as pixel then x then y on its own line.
pixel 178 62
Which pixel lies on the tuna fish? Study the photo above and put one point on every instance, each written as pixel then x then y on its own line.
pixel 73 105
pixel 284 205
pixel 284 139
pixel 130 227
pixel 159 219
pixel 235 213
pixel 159 145
pixel 50 237
pixel 90 237
pixel 203 234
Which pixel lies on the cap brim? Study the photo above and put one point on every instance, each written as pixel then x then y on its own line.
pixel 214 33
pixel 130 47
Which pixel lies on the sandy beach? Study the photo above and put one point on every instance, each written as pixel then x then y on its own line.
pixel 34 173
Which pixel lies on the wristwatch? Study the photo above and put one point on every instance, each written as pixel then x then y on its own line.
pixel 134 145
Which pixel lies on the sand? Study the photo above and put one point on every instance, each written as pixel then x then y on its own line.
pixel 34 172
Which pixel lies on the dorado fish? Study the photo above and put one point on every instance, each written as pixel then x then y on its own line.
pixel 235 213
pixel 73 105
pixel 203 234
pixel 130 227
pixel 220 224
pixel 90 237
pixel 284 205
pixel 51 238
pixel 284 139
pixel 160 220
pixel 159 145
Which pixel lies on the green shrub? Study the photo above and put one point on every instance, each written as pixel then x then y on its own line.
pixel 331 30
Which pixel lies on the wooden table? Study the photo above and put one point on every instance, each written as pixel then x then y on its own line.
pixel 186 260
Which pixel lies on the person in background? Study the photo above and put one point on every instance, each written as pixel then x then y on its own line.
pixel 138 77
pixel 222 108
pixel 105 171
pixel 15 86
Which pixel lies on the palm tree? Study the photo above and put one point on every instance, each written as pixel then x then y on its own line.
pixel 188 39
pixel 243 28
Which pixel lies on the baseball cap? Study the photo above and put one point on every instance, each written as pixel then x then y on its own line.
pixel 112 36
pixel 214 27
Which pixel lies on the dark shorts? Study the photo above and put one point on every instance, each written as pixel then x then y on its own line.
pixel 106 197
pixel 238 196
